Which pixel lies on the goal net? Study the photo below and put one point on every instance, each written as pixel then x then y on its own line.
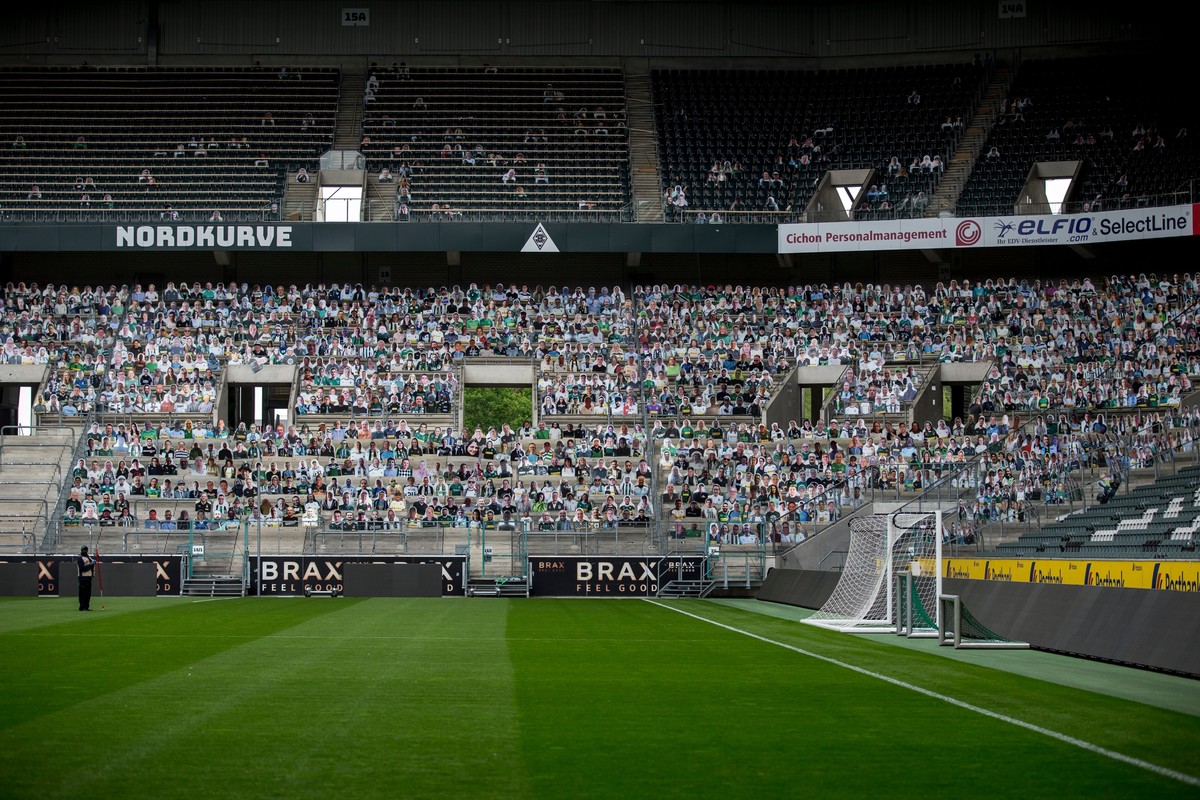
pixel 883 546
pixel 960 628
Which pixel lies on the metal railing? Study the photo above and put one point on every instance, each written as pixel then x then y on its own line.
pixel 384 210
pixel 24 521
pixel 110 216
pixel 1185 194
pixel 53 535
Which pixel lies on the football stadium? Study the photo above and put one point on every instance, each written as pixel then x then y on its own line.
pixel 598 398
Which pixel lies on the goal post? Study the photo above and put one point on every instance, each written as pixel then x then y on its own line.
pixel 917 609
pixel 960 629
pixel 865 598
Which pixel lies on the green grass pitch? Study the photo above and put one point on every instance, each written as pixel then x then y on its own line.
pixel 345 698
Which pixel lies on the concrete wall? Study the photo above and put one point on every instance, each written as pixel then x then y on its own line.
pixel 795 587
pixel 515 373
pixel 928 405
pixel 1141 627
pixel 273 373
pixel 1147 627
pixel 473 31
pixel 819 376
pixel 972 373
pixel 25 374
pixel 785 405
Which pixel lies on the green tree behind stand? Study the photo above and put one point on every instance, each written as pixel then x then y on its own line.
pixel 492 407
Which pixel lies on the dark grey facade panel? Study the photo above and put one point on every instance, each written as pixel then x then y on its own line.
pixel 576 28
pixel 352 237
pixel 550 27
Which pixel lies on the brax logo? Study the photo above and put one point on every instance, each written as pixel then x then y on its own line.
pixel 607 571
pixel 290 570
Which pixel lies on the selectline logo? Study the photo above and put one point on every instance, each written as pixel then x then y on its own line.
pixel 968 233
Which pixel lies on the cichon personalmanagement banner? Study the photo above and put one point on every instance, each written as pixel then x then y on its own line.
pixel 980 232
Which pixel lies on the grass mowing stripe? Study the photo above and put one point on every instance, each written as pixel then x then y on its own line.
pixel 723 716
pixel 325 707
pixel 1158 689
pixel 1062 737
pixel 78 647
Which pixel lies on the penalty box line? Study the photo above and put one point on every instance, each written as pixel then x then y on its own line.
pixel 954 701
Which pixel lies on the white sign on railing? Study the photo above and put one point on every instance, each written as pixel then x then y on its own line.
pixel 1012 9
pixel 360 17
pixel 978 232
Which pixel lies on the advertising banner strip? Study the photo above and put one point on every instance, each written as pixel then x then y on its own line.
pixel 979 232
pixel 167 568
pixel 291 575
pixel 1173 576
pixel 598 576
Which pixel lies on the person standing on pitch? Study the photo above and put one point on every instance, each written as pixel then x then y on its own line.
pixel 87 568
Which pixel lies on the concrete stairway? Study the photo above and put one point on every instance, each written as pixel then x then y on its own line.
pixel 347 134
pixel 643 149
pixel 299 201
pixel 32 472
pixel 959 168
pixel 380 200
pixel 686 589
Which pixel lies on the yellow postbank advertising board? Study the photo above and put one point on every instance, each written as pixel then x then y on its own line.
pixel 1174 576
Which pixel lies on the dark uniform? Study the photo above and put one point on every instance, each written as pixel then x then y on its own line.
pixel 87 568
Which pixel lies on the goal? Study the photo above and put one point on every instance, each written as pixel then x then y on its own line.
pixel 960 628
pixel 882 548
pixel 916 604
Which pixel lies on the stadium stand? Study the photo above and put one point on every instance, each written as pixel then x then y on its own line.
pixel 751 145
pixel 459 143
pixel 390 476
pixel 1155 521
pixel 151 143
pixel 1075 366
pixel 1131 135
pixel 686 372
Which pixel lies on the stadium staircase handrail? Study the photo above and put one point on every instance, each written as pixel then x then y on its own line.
pixel 53 535
pixel 650 448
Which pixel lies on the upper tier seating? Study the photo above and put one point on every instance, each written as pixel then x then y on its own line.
pixel 1129 130
pixel 158 143
pixel 774 134
pixel 511 143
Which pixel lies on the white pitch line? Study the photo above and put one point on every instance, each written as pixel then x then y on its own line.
pixel 954 701
pixel 210 599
